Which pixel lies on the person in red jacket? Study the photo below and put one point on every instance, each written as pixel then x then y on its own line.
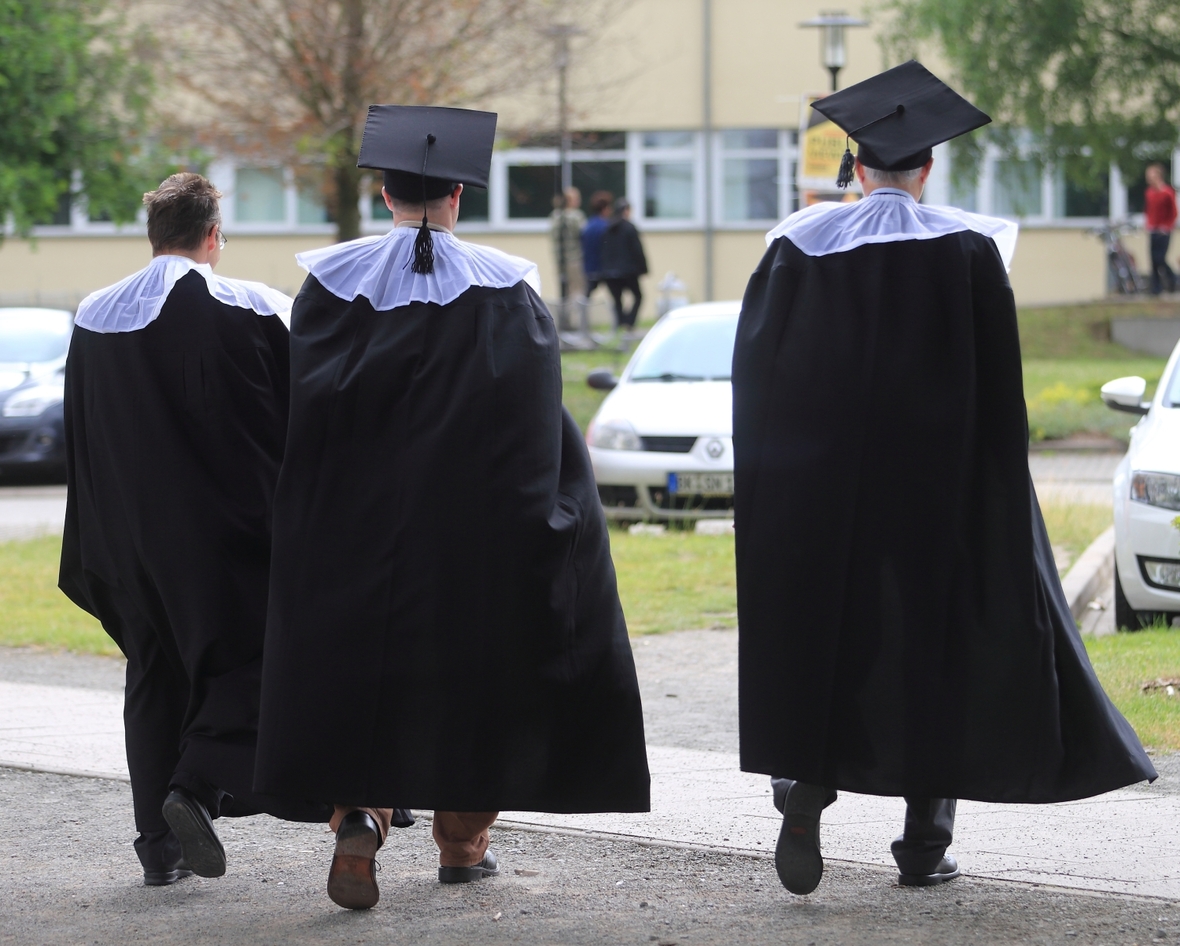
pixel 1160 211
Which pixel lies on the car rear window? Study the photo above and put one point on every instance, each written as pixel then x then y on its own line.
pixel 32 335
pixel 698 349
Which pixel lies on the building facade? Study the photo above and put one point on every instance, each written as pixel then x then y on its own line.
pixel 691 109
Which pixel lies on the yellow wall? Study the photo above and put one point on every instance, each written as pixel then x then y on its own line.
pixel 63 270
pixel 1051 264
pixel 1058 265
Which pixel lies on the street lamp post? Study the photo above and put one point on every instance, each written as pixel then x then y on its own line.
pixel 831 40
pixel 561 33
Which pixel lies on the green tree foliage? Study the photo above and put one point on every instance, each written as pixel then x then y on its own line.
pixel 1092 81
pixel 73 95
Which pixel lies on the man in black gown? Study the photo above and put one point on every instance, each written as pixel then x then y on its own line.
pixel 904 631
pixel 444 627
pixel 176 411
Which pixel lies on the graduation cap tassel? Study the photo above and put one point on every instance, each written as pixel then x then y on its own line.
pixel 844 178
pixel 423 263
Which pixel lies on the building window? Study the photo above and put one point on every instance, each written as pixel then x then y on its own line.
pixel 310 205
pixel 260 196
pixel 473 205
pixel 590 177
pixel 1016 187
pixel 667 190
pixel 1088 199
pixel 530 190
pixel 750 175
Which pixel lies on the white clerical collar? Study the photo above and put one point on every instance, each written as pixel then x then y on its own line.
pixel 378 268
pixel 135 302
pixel 886 215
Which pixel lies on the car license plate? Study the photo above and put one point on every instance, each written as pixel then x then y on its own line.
pixel 702 484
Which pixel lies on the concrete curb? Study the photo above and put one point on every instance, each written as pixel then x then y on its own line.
pixel 1090 573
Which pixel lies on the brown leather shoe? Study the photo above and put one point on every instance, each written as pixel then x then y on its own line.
pixel 352 881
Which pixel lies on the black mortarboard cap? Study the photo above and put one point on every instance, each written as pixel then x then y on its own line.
pixel 898 116
pixel 437 147
pixel 461 152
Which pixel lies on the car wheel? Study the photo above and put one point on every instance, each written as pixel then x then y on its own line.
pixel 1124 615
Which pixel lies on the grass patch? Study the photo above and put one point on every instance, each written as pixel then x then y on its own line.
pixel 580 399
pixel 1063 395
pixel 1123 663
pixel 33 612
pixel 1073 526
pixel 676 581
pixel 1082 331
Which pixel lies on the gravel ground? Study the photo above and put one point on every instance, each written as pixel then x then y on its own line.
pixel 68 875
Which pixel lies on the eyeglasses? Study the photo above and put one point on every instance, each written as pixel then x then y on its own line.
pixel 222 239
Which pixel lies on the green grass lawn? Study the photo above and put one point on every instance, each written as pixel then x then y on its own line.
pixel 1124 662
pixel 1068 356
pixel 32 609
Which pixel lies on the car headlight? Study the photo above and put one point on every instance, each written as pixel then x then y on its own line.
pixel 1156 489
pixel 613 435
pixel 33 401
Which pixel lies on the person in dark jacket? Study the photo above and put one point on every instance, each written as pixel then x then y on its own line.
pixel 601 206
pixel 176 395
pixel 623 262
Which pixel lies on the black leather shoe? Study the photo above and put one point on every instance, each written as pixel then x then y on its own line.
pixel 948 869
pixel 352 879
pixel 465 875
pixel 165 878
pixel 190 822
pixel 796 856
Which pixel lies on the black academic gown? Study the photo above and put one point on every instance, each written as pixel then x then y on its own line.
pixel 444 628
pixel 174 439
pixel 903 628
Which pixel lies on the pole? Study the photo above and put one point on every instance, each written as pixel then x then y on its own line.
pixel 563 173
pixel 835 71
pixel 707 121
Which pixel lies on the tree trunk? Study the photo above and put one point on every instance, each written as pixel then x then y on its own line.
pixel 348 182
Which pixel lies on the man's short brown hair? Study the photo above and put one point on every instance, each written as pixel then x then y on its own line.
pixel 181 212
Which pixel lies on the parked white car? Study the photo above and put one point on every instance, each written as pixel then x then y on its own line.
pixel 1147 501
pixel 662 441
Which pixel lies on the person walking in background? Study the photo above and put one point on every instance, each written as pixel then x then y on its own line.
pixel 913 639
pixel 565 230
pixel 623 262
pixel 1159 210
pixel 601 205
pixel 176 392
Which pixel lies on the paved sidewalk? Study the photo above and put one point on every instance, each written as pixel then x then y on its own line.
pixel 27 512
pixel 1125 842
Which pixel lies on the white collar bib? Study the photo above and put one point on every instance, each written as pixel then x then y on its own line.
pixel 135 302
pixel 378 268
pixel 887 215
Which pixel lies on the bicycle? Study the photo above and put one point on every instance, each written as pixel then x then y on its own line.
pixel 1122 273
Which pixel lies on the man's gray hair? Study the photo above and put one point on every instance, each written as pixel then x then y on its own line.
pixel 891 178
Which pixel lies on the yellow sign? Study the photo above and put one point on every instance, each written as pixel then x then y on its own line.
pixel 821 146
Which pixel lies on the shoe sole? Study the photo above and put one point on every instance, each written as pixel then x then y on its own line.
pixel 202 850
pixel 165 878
pixel 352 879
pixel 925 880
pixel 464 875
pixel 797 856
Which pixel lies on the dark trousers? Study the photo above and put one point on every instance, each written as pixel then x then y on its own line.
pixel 625 318
pixel 928 831
pixel 1161 272
pixel 202 742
